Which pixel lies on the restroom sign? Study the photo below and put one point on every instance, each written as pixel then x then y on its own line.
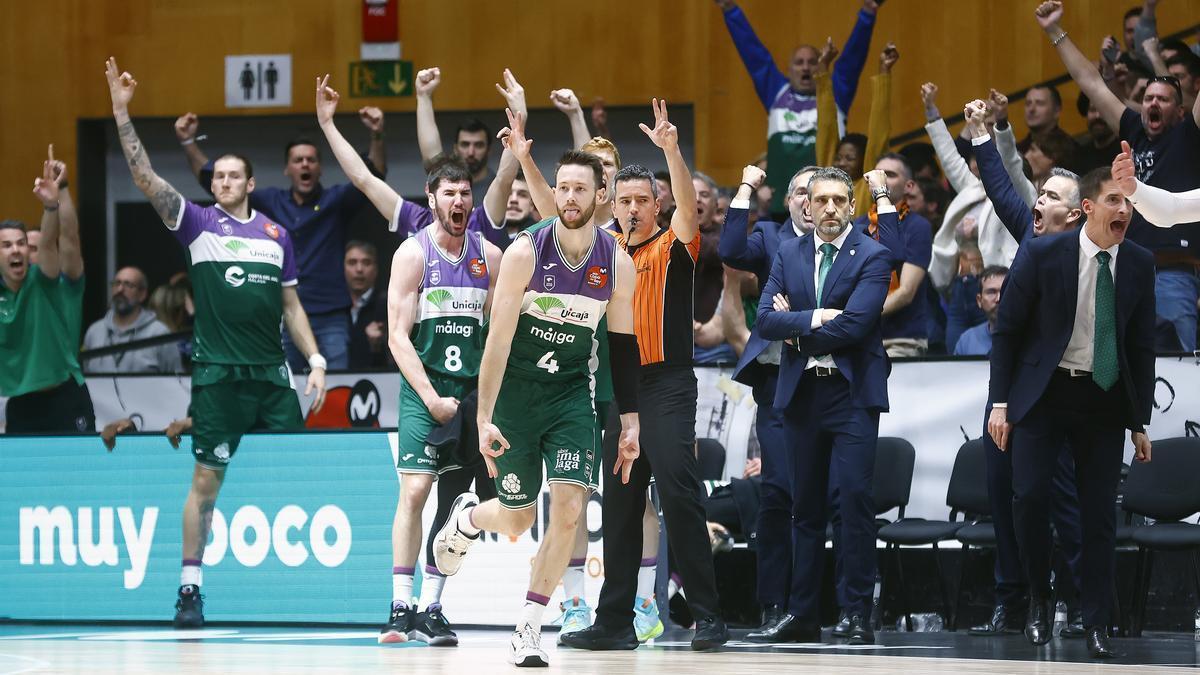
pixel 258 80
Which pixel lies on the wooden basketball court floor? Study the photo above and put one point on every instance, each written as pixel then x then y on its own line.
pixel 58 648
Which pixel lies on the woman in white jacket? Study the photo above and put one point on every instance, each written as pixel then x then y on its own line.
pixel 971 203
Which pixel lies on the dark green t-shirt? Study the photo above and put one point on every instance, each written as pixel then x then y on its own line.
pixel 39 333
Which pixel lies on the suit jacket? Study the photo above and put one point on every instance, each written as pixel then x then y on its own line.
pixel 361 356
pixel 1016 215
pixel 752 253
pixel 755 253
pixel 1037 316
pixel 857 284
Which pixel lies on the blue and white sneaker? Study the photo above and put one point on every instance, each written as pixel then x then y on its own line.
pixel 646 624
pixel 576 616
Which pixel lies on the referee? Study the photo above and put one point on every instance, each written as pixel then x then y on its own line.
pixel 665 259
pixel 40 317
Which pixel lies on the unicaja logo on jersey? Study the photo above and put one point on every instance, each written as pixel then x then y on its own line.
pixel 235 246
pixel 235 276
pixel 438 298
pixel 549 304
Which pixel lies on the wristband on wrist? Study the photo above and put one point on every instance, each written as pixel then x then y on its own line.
pixel 752 188
pixel 879 193
pixel 49 209
pixel 187 141
pixel 317 361
pixel 63 184
pixel 1061 36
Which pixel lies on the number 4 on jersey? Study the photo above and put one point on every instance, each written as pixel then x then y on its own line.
pixel 547 362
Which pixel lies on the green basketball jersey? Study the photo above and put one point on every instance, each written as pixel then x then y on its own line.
pixel 449 335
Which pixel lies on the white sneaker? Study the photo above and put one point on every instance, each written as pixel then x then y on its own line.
pixel 526 649
pixel 451 544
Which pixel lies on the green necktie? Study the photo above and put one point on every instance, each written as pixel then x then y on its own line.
pixel 1104 345
pixel 828 252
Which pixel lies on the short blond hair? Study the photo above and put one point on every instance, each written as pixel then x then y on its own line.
pixel 602 143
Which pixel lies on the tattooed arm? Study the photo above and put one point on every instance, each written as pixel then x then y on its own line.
pixel 165 199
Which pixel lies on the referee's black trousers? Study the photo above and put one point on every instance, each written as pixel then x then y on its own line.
pixel 667 412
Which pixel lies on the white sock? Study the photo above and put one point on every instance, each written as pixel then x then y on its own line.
pixel 402 584
pixel 573 580
pixel 464 523
pixel 646 576
pixel 531 614
pixel 432 584
pixel 191 575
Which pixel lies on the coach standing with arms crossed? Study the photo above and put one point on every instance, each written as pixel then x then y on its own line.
pixel 825 297
pixel 1082 376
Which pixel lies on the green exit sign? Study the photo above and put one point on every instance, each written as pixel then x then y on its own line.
pixel 381 78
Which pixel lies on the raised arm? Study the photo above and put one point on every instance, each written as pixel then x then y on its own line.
pixel 827 111
pixel 372 119
pixel 1006 144
pixel 429 139
pixel 879 126
pixel 1011 208
pixel 854 55
pixel 70 251
pixel 495 201
pixel 957 171
pixel 737 248
pixel 166 200
pixel 1159 207
pixel 514 141
pixel 380 193
pixel 755 56
pixel 1082 70
pixel 666 136
pixel 568 104
pixel 186 129
pixel 1146 28
pixel 45 188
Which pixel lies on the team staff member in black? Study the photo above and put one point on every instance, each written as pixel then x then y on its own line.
pixel 665 259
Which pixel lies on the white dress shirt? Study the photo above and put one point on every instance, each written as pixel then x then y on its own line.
pixel 356 306
pixel 825 360
pixel 1080 349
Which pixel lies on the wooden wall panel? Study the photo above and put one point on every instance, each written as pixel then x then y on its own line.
pixel 624 50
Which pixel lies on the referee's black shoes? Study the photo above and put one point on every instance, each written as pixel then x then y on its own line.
pixel 711 632
pixel 600 638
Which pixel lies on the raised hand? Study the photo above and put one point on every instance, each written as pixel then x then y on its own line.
pixel 120 85
pixel 566 101
pixel 513 137
pixel 725 5
pixel 45 187
pixel 513 92
pixel 871 6
pixel 664 134
pixel 929 93
pixel 372 118
pixel 753 176
pixel 1109 46
pixel 600 117
pixel 187 126
pixel 1049 13
pixel 888 57
pixel 327 100
pixel 999 104
pixel 1123 171
pixel 828 55
pixel 975 112
pixel 58 169
pixel 876 179
pixel 428 80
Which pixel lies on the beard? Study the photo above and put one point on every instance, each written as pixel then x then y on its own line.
pixel 123 306
pixel 455 228
pixel 585 215
pixel 832 229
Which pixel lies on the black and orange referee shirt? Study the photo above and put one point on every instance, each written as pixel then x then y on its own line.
pixel 662 302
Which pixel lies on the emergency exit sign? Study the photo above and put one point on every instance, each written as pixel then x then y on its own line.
pixel 381 78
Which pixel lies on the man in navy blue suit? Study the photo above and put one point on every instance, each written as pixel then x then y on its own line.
pixel 1073 362
pixel 1057 209
pixel 824 297
pixel 758 368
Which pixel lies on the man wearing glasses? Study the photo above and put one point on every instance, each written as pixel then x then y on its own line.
pixel 128 319
pixel 1165 138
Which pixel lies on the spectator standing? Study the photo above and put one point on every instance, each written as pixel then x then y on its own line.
pixel 1165 139
pixel 791 100
pixel 128 319
pixel 40 310
pixel 1101 144
pixel 368 308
